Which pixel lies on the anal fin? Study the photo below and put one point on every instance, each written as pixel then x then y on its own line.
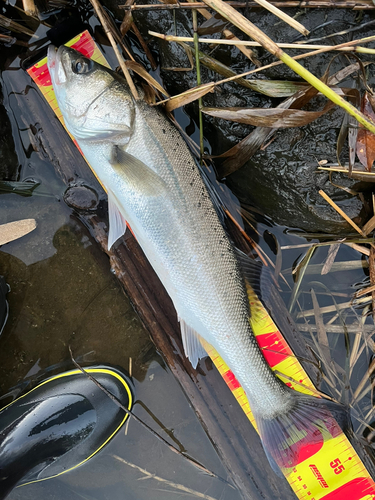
pixel 193 348
pixel 117 223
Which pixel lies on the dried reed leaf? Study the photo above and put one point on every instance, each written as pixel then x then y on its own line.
pixel 239 154
pixel 14 230
pixel 216 24
pixel 277 88
pixel 300 272
pixel 351 328
pixel 332 252
pixel 188 96
pixel 220 68
pixel 322 334
pixel 126 22
pixel 268 117
pixel 365 138
pixel 128 19
pixel 141 71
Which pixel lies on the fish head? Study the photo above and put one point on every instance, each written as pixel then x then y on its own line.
pixel 95 103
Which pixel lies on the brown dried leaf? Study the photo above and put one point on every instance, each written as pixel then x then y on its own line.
pixel 126 23
pixel 189 96
pixel 140 70
pixel 365 138
pixel 268 117
pixel 128 19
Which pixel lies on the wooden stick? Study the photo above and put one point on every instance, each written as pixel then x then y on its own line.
pixel 256 34
pixel 341 212
pixel 247 43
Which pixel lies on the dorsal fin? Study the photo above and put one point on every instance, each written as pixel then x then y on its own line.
pixel 117 223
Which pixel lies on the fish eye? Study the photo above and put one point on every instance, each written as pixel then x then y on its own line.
pixel 82 66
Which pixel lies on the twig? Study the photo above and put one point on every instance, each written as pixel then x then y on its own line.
pixel 341 212
pixel 143 424
pixel 247 43
pixel 100 13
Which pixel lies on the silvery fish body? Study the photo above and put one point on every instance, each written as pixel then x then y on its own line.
pixel 153 181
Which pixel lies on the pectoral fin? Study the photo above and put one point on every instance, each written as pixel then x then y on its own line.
pixel 136 174
pixel 117 223
pixel 192 345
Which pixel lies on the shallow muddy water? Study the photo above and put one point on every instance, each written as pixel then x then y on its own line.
pixel 64 294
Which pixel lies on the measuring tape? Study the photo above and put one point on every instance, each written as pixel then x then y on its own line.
pixel 329 469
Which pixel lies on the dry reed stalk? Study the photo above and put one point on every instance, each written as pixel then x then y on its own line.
pixel 369 226
pixel 360 248
pixel 341 212
pixel 314 4
pixel 108 31
pixel 284 17
pixel 30 8
pixel 354 328
pixel 246 43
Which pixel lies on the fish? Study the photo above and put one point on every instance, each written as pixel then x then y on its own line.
pixel 154 184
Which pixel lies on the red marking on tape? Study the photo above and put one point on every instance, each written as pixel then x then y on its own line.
pixel 353 490
pixel 85 45
pixel 273 348
pixel 231 380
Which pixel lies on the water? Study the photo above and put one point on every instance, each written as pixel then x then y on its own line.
pixel 63 294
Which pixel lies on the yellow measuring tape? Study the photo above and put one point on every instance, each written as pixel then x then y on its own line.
pixel 329 470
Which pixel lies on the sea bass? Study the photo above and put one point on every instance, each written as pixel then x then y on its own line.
pixel 154 184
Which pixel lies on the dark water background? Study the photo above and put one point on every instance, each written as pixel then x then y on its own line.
pixel 63 293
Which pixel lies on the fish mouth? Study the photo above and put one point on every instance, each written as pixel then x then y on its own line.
pixel 51 56
pixel 54 64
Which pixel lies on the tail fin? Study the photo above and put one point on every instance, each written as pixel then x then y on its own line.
pixel 292 437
